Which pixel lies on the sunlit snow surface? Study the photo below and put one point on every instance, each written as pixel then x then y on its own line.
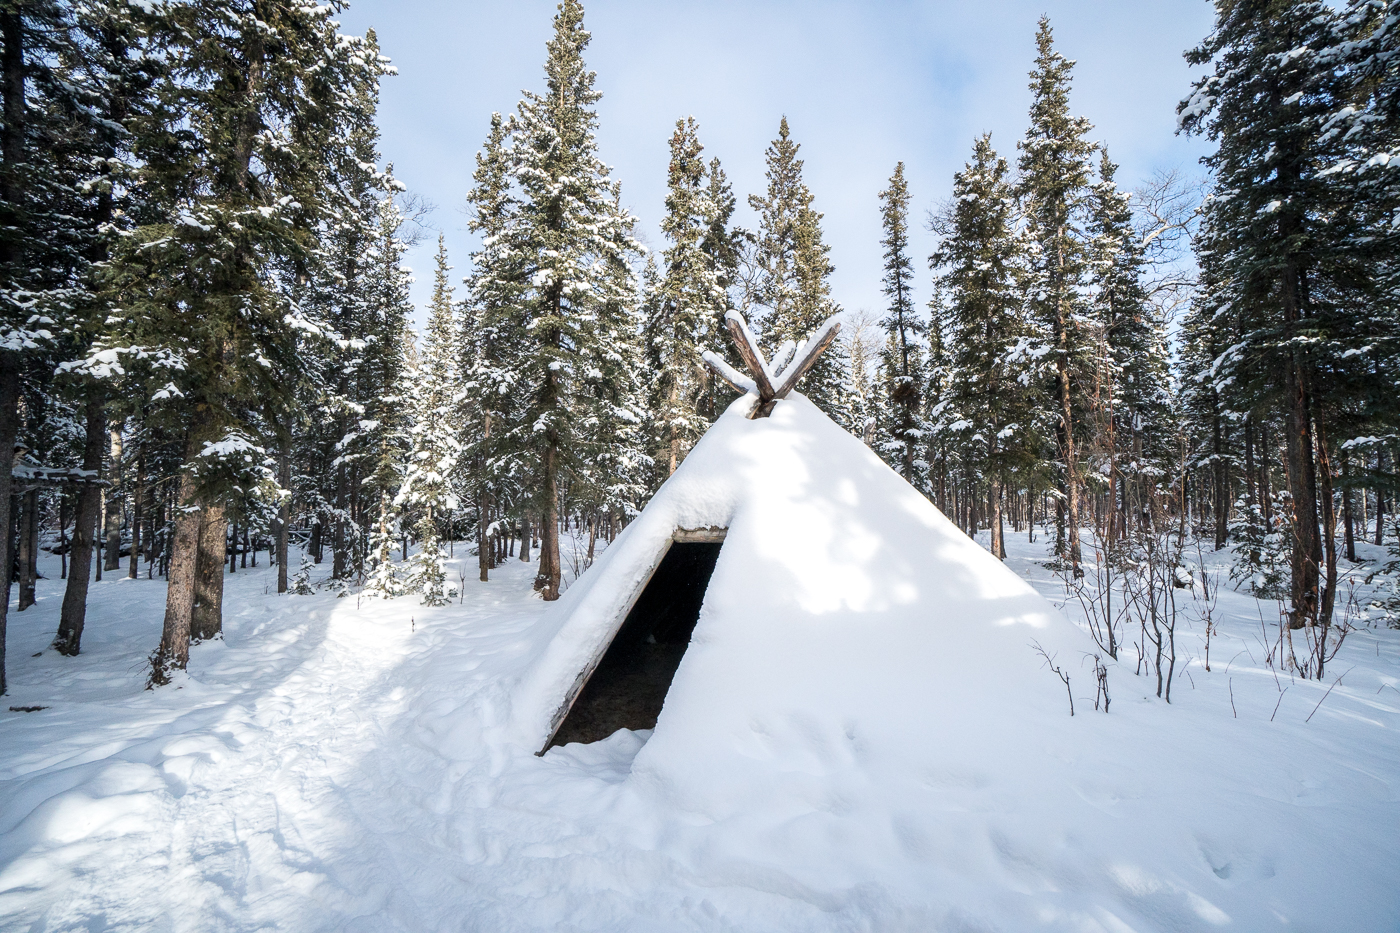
pixel 860 738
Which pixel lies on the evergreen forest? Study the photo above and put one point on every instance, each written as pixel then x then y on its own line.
pixel 208 357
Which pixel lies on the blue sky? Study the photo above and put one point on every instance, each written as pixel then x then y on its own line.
pixel 864 85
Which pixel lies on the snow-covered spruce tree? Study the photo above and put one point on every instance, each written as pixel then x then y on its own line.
pixel 935 393
pixel 793 289
pixel 427 489
pixel 724 243
pixel 685 306
pixel 234 143
pixel 572 238
pixel 1053 188
pixel 1208 401
pixel 901 358
pixel 987 409
pixel 1363 138
pixel 494 341
pixel 612 478
pixel 362 366
pixel 56 145
pixel 384 436
pixel 861 336
pixel 1134 412
pixel 88 74
pixel 1292 243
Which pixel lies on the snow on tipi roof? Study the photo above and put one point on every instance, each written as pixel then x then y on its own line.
pixel 847 618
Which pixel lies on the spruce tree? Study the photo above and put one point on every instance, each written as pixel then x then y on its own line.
pixel 1053 189
pixel 427 489
pixel 794 272
pixel 1291 240
pixel 987 409
pixel 574 241
pixel 1134 409
pixel 936 387
pixel 234 144
pixel 901 359
pixel 687 304
pixel 59 93
pixel 383 435
pixel 495 342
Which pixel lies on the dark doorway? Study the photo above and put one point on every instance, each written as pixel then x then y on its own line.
pixel 630 683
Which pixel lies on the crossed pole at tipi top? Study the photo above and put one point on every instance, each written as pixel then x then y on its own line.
pixel 788 365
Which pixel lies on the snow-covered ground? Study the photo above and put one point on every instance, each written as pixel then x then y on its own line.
pixel 330 766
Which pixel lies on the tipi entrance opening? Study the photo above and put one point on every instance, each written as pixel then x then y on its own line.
pixel 629 684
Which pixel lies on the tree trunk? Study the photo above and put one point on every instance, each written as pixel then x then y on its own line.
pixel 1071 477
pixel 1348 520
pixel 525 533
pixel 483 541
pixel 994 506
pixel 28 540
pixel 138 514
pixel 64 506
pixel 9 429
pixel 1306 556
pixel 284 518
pixel 174 651
pixel 1221 480
pixel 1329 539
pixel 1251 496
pixel 340 558
pixel 113 519
pixel 206 617
pixel 1380 501
pixel 74 613
pixel 97 538
pixel 549 577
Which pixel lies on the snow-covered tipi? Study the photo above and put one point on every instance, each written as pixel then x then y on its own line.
pixel 816 611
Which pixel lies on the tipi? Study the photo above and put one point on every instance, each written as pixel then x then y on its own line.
pixel 822 611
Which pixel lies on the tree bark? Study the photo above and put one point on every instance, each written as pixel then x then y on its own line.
pixel 994 506
pixel 28 542
pixel 137 515
pixel 1380 501
pixel 340 559
pixel 549 576
pixel 1348 519
pixel 206 617
pixel 483 541
pixel 74 612
pixel 1329 539
pixel 9 429
pixel 174 651
pixel 1221 479
pixel 1306 556
pixel 284 517
pixel 64 506
pixel 112 521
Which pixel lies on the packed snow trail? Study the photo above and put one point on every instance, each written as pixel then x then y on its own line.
pixel 334 766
